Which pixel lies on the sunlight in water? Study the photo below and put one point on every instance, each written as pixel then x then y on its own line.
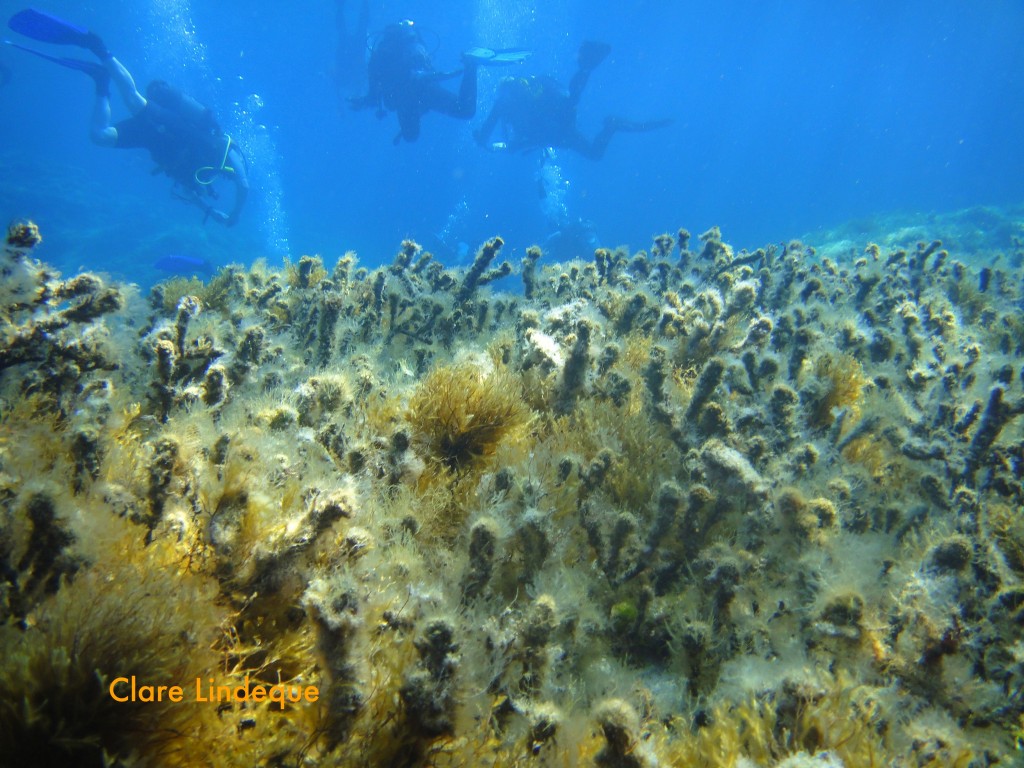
pixel 555 188
pixel 454 226
pixel 171 41
pixel 503 25
pixel 258 143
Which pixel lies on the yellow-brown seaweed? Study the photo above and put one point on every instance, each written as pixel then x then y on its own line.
pixel 715 509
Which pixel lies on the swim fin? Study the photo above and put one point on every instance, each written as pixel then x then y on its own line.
pixel 48 29
pixel 591 54
pixel 94 69
pixel 510 56
pixel 492 58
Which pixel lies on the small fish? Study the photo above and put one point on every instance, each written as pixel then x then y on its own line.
pixel 178 264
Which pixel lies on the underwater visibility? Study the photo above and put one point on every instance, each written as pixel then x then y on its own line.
pixel 509 384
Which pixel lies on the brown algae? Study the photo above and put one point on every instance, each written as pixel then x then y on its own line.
pixel 676 507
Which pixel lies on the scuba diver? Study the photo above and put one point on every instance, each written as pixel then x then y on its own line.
pixel 403 80
pixel 537 112
pixel 182 135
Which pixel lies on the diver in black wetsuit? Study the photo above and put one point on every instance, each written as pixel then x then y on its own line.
pixel 403 80
pixel 182 135
pixel 538 112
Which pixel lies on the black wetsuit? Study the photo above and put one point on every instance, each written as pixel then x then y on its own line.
pixel 534 112
pixel 177 146
pixel 403 80
pixel 538 112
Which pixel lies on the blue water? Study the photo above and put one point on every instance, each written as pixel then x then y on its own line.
pixel 790 118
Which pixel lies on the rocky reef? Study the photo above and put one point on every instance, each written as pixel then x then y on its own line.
pixel 685 506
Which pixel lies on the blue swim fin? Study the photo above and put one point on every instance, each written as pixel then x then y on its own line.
pixel 48 29
pixel 92 68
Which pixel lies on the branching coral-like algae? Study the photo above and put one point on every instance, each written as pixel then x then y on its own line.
pixel 678 507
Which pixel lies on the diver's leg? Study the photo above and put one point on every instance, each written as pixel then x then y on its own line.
pixel 588 57
pixel 595 149
pixel 461 106
pixel 483 134
pixel 467 92
pixel 121 77
pixel 409 122
pixel 101 132
pixel 577 84
pixel 125 84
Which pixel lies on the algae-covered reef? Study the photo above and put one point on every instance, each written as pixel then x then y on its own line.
pixel 678 507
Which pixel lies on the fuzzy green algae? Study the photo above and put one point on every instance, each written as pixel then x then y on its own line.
pixel 679 507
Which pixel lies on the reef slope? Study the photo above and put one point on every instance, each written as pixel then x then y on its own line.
pixel 677 507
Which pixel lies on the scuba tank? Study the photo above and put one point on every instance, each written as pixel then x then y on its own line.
pixel 196 115
pixel 202 152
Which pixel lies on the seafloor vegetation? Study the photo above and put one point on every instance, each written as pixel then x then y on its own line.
pixel 678 507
